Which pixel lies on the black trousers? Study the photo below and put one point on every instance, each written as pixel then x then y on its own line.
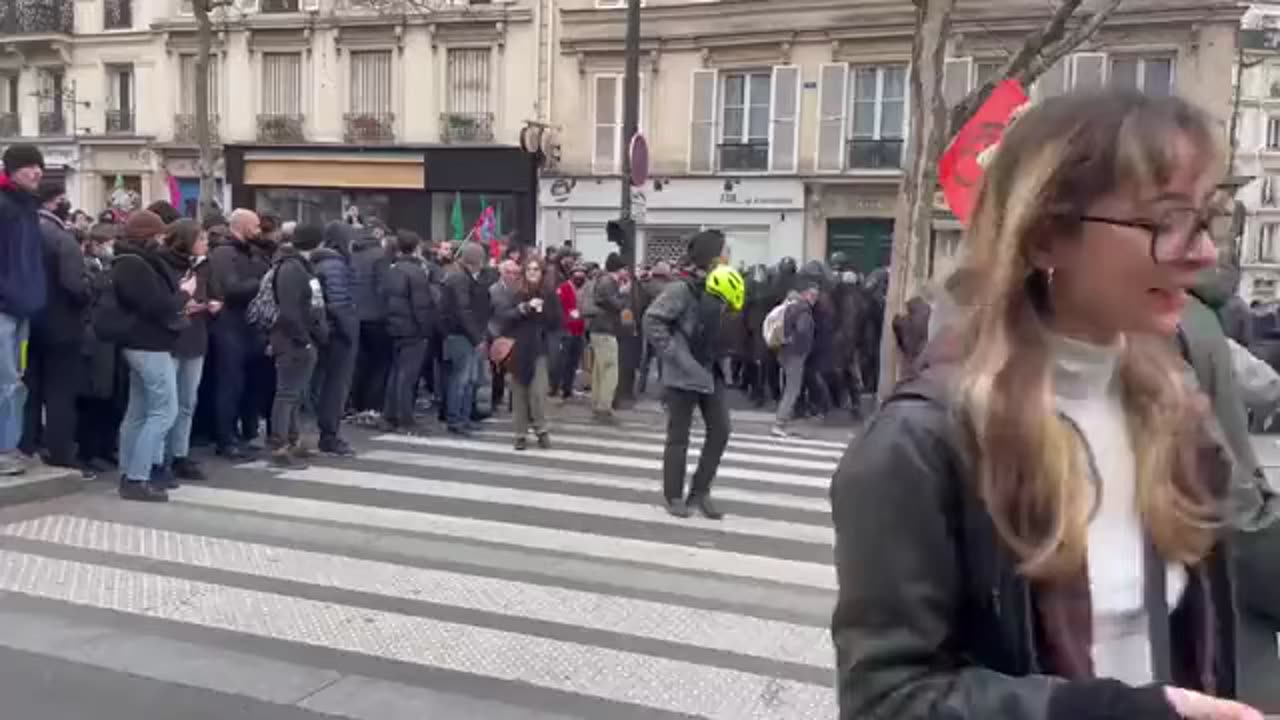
pixel 245 382
pixel 571 349
pixel 373 363
pixel 97 427
pixel 407 357
pixel 331 384
pixel 52 378
pixel 715 415
pixel 293 378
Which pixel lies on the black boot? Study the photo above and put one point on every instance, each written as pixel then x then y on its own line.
pixel 142 491
pixel 677 508
pixel 188 469
pixel 703 504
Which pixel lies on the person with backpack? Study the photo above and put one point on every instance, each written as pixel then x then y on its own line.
pixel 683 325
pixel 147 316
pixel 299 328
pixel 798 332
pixel 411 321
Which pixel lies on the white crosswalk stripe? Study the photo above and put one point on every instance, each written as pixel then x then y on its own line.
pixel 505 632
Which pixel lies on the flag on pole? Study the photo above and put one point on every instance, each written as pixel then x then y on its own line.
pixel 456 221
pixel 961 168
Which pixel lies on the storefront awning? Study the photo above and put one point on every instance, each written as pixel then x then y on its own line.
pixel 333 170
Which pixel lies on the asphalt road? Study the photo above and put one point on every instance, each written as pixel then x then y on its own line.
pixel 433 578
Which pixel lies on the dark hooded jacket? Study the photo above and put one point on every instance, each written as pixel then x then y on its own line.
pixel 193 341
pixel 147 292
pixel 62 320
pixel 411 307
pixel 23 284
pixel 333 266
pixel 301 320
pixel 370 263
pixel 236 268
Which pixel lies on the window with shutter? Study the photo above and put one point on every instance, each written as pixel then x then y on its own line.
pixel 985 71
pixel 607 123
pixel 370 117
pixel 702 108
pixel 956 80
pixel 281 117
pixel 1088 70
pixel 1150 75
pixel 745 120
pixel 783 137
pixel 833 82
pixel 1273 133
pixel 878 127
pixel 1053 82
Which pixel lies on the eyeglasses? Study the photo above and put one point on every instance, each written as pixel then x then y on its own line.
pixel 1174 235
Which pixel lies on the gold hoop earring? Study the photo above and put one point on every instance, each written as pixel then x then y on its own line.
pixel 1048 276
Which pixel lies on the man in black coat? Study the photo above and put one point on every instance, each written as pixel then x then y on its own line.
pixel 465 319
pixel 411 320
pixel 300 329
pixel 337 363
pixel 57 335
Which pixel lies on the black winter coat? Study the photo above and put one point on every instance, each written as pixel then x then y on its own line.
pixel 301 320
pixel 63 318
pixel 466 306
pixel 237 270
pixel 194 340
pixel 370 264
pixel 411 308
pixel 530 330
pixel 146 289
pixel 337 280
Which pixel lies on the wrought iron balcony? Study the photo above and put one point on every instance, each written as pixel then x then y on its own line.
pixel 120 122
pixel 37 17
pixel 370 127
pixel 53 124
pixel 466 127
pixel 10 124
pixel 279 6
pixel 117 14
pixel 281 129
pixel 750 157
pixel 875 154
pixel 184 129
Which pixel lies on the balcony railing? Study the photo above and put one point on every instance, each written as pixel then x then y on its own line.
pixel 120 122
pixel 10 124
pixel 184 129
pixel 117 14
pixel 370 127
pixel 279 6
pixel 280 129
pixel 53 124
pixel 466 127
pixel 37 17
pixel 875 154
pixel 751 156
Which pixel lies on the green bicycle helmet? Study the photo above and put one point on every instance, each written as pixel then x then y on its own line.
pixel 726 283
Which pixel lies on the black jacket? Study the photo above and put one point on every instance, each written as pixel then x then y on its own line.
pixel 146 289
pixel 933 620
pixel 370 263
pixel 194 340
pixel 62 320
pixel 301 320
pixel 237 270
pixel 411 310
pixel 610 301
pixel 466 306
pixel 337 279
pixel 530 330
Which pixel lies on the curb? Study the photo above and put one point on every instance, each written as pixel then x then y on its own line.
pixel 41 483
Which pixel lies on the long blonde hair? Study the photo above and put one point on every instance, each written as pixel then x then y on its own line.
pixel 1051 165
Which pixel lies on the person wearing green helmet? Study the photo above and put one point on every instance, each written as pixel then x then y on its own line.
pixel 683 326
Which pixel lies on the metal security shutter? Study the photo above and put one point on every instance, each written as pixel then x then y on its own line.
pixel 666 242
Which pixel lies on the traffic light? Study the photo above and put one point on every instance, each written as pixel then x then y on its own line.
pixel 622 232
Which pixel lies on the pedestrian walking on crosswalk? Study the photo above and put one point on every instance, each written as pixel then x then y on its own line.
pixel 683 324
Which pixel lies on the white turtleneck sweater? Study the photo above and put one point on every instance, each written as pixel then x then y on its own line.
pixel 1086 391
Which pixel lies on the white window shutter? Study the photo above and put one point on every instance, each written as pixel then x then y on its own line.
pixel 1053 82
pixel 957 74
pixel 311 5
pixel 785 121
pixel 248 6
pixel 833 103
pixel 702 116
pixel 606 121
pixel 1088 71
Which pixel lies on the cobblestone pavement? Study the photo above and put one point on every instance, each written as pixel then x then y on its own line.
pixel 434 578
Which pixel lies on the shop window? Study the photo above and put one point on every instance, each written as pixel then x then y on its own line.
pixel 122 193
pixel 456 216
pixel 309 205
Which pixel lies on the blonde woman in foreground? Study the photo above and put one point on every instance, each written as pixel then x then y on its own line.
pixel 1031 530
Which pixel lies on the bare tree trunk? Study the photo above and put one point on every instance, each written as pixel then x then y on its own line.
pixel 913 222
pixel 204 137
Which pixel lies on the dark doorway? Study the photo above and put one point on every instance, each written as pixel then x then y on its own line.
pixel 867 241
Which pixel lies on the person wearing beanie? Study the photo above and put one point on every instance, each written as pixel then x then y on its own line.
pixel 611 295
pixel 152 305
pixel 57 336
pixel 23 287
pixel 465 316
pixel 683 326
pixel 300 332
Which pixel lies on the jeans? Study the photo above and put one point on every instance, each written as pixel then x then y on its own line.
pixel 334 371
pixel 793 383
pixel 52 379
pixel 529 402
pixel 570 358
pixel 293 376
pixel 604 372
pixel 464 373
pixel 189 370
pixel 407 356
pixel 715 415
pixel 13 394
pixel 153 407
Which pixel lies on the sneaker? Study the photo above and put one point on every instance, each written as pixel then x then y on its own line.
pixel 703 504
pixel 234 453
pixel 142 491
pixel 544 441
pixel 163 477
pixel 462 432
pixel 301 452
pixel 522 443
pixel 779 431
pixel 677 508
pixel 336 447
pixel 284 459
pixel 188 469
pixel 605 417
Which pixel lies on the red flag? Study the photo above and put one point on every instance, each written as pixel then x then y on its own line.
pixel 959 171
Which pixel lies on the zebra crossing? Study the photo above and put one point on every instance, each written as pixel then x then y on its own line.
pixel 437 577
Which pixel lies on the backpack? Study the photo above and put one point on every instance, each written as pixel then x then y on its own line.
pixel 108 320
pixel 774 326
pixel 264 309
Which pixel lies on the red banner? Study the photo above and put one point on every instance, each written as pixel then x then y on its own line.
pixel 959 171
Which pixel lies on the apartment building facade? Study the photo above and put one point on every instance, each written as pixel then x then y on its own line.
pixel 1257 151
pixel 784 123
pixel 107 87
